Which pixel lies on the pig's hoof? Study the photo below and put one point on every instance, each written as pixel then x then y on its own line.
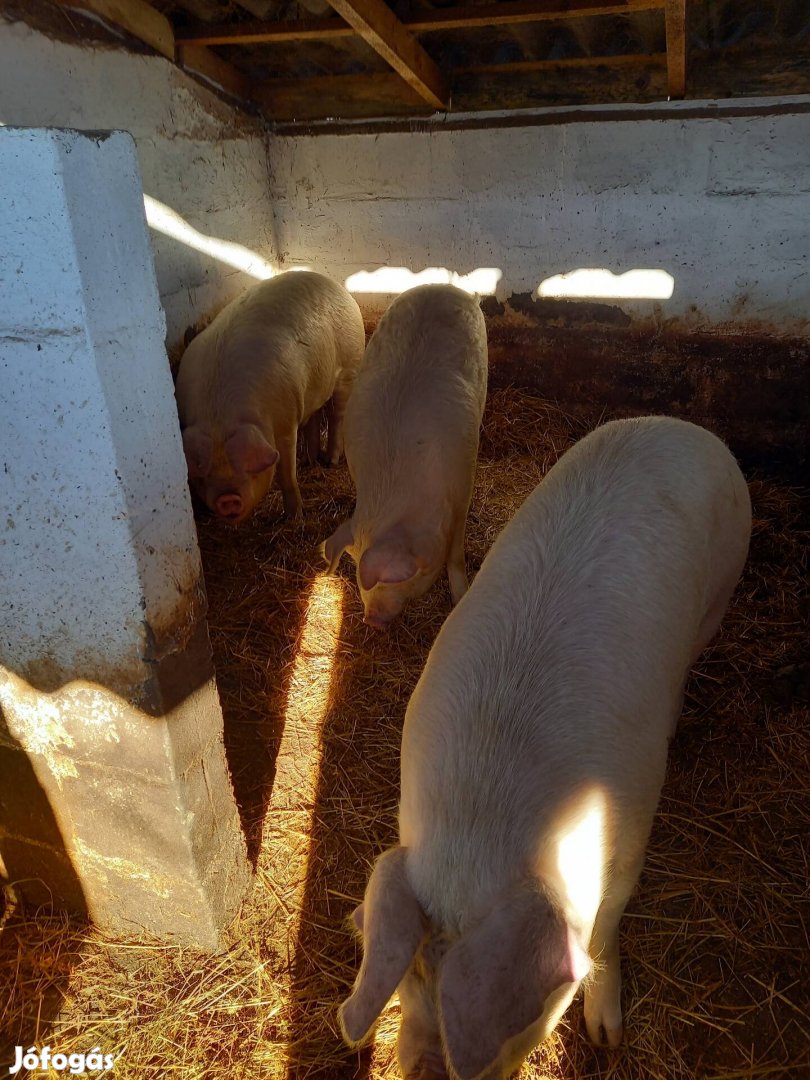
pixel 605 1027
pixel 329 462
pixel 602 1036
pixel 605 1035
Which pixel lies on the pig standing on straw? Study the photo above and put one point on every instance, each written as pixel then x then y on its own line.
pixel 263 368
pixel 534 751
pixel 412 430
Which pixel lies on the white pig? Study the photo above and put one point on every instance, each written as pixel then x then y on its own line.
pixel 412 430
pixel 535 746
pixel 263 368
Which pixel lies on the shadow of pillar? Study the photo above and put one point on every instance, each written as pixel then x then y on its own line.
pixel 33 978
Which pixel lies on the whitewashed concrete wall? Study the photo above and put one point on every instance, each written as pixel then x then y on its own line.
pixel 200 158
pixel 722 203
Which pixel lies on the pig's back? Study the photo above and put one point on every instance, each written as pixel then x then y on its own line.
pixel 422 387
pixel 562 667
pixel 291 335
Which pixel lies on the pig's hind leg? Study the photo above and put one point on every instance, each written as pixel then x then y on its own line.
pixel 336 413
pixel 456 570
pixel 291 496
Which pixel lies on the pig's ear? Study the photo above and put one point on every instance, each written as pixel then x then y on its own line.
pixel 384 565
pixel 494 983
pixel 199 450
pixel 393 927
pixel 249 452
pixel 337 543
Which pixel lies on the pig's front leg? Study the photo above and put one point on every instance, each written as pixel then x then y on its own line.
pixel 456 570
pixel 312 437
pixel 603 1008
pixel 286 446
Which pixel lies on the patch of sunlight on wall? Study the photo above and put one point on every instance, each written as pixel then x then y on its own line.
pixel 605 285
pixel 398 279
pixel 163 219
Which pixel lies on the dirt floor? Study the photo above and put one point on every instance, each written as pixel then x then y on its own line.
pixel 715 942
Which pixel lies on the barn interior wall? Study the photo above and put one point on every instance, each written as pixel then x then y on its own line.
pixel 715 196
pixel 719 199
pixel 202 161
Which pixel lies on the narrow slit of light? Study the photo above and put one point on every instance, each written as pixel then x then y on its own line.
pixel 601 284
pixel 393 280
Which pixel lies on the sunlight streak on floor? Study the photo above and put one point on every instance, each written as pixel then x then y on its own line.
pixel 290 820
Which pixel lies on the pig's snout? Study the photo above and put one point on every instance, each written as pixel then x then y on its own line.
pixel 230 506
pixel 370 619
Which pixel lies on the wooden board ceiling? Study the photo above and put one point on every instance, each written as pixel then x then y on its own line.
pixel 350 59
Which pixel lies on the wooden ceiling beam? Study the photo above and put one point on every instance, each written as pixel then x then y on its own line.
pixel 379 94
pixel 379 27
pixel 266 33
pixel 384 92
pixel 210 68
pixel 505 13
pixel 137 17
pixel 675 17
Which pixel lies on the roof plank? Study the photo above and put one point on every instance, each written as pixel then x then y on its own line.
pixel 135 16
pixel 568 62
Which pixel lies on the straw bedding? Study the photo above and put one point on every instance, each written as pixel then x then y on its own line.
pixel 715 941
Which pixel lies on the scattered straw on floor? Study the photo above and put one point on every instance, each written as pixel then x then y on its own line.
pixel 715 942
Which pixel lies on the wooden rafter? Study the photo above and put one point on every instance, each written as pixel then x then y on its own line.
pixel 675 16
pixel 506 13
pixel 135 16
pixel 144 22
pixel 376 23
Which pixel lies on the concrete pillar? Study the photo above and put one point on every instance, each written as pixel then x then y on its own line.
pixel 115 797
